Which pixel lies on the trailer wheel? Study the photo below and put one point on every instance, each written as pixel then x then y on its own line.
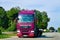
pixel 40 33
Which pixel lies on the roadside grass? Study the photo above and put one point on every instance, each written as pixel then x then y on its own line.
pixel 6 35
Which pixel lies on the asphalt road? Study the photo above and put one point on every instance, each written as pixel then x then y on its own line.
pixel 45 36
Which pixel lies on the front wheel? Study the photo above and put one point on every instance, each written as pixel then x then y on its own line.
pixel 36 32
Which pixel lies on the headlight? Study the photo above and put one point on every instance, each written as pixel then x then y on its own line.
pixel 32 31
pixel 18 30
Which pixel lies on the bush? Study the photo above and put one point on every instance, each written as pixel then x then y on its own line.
pixel 59 29
pixel 12 26
pixel 2 29
pixel 47 30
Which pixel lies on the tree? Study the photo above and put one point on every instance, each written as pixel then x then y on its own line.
pixel 38 18
pixel 45 20
pixel 59 29
pixel 42 19
pixel 12 14
pixel 52 29
pixel 7 18
pixel 3 18
pixel 2 13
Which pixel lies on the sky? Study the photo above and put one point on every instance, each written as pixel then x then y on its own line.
pixel 52 7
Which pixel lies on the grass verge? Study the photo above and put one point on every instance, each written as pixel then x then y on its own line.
pixel 6 35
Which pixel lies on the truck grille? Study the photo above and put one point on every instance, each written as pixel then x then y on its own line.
pixel 24 30
pixel 25 26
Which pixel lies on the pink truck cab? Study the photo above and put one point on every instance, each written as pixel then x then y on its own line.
pixel 25 23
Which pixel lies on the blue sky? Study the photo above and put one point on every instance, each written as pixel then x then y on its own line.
pixel 52 7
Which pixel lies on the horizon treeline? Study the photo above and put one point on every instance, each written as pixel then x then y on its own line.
pixel 8 19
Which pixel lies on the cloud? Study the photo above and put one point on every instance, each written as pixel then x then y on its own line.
pixel 40 4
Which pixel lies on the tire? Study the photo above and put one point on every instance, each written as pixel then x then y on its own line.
pixel 40 33
pixel 36 32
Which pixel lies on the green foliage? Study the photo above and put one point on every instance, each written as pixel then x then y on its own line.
pixel 3 18
pixel 12 26
pixel 38 18
pixel 12 14
pixel 42 19
pixel 45 20
pixel 47 30
pixel 45 17
pixel 7 18
pixel 59 29
pixel 1 30
pixel 52 28
pixel 2 12
pixel 4 36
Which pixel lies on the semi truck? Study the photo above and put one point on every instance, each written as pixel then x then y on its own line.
pixel 26 24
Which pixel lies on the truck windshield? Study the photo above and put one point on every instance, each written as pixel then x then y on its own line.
pixel 25 18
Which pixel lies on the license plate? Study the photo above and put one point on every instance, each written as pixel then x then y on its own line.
pixel 25 35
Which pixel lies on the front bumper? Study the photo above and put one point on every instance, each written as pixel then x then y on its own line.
pixel 25 35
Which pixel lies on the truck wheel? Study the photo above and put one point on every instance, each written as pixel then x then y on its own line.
pixel 40 33
pixel 36 32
